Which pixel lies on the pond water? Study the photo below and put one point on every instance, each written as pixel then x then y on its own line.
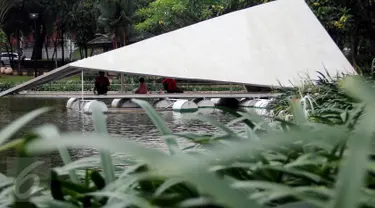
pixel 133 125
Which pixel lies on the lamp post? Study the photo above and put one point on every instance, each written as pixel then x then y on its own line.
pixel 34 16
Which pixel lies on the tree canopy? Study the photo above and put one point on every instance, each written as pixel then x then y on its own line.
pixel 351 23
pixel 166 15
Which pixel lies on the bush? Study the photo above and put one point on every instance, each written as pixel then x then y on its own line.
pixel 75 85
pixel 323 102
pixel 264 165
pixel 5 86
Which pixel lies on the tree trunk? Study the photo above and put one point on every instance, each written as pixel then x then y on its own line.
pixel 46 47
pixel 81 52
pixel 11 59
pixel 39 37
pixel 62 44
pixel 354 49
pixel 55 47
pixel 86 51
pixel 19 72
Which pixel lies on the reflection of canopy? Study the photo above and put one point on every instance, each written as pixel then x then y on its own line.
pixel 276 42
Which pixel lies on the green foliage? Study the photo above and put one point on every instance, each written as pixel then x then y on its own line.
pixel 82 21
pixel 114 13
pixel 3 38
pixel 167 15
pixel 131 83
pixel 305 162
pixel 5 6
pixel 332 15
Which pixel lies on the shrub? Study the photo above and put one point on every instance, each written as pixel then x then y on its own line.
pixel 262 166
pixel 323 101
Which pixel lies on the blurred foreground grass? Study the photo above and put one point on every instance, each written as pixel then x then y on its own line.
pixel 271 163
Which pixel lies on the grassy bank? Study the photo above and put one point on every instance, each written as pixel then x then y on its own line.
pixel 271 162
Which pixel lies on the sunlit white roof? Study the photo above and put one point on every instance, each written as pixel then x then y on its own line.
pixel 277 42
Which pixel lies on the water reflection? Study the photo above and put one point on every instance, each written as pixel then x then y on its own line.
pixel 133 125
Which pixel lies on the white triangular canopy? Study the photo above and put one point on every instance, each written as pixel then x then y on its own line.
pixel 277 42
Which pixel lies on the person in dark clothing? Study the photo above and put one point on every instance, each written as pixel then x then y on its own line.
pixel 101 84
pixel 170 86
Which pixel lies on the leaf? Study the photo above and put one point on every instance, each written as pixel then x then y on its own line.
pixel 351 176
pixel 56 187
pixel 159 123
pixel 278 190
pixel 126 199
pixel 248 122
pixel 105 155
pixel 166 185
pixel 298 173
pixel 191 169
pixel 298 205
pixel 76 140
pixel 196 202
pixel 297 110
pixel 46 202
pixel 220 126
pixel 50 131
pixel 16 125
pixel 97 179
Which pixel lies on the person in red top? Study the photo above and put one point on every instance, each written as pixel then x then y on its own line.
pixel 142 89
pixel 101 84
pixel 170 86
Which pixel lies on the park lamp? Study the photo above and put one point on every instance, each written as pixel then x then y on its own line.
pixel 346 51
pixel 34 15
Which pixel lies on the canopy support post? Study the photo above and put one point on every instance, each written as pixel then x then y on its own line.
pixel 82 84
pixel 122 83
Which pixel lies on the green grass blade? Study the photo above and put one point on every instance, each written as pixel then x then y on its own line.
pixel 188 168
pixel 126 199
pixel 76 140
pixel 219 125
pixel 5 181
pixel 46 202
pixel 105 155
pixel 297 110
pixel 196 202
pixel 248 122
pixel 298 173
pixel 50 131
pixel 351 177
pixel 194 171
pixel 15 126
pixel 256 118
pixel 154 116
pixel 160 124
pixel 166 185
pixel 277 190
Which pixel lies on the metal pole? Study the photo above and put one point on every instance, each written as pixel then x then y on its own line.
pixel 82 84
pixel 35 67
pixel 230 88
pixel 122 83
